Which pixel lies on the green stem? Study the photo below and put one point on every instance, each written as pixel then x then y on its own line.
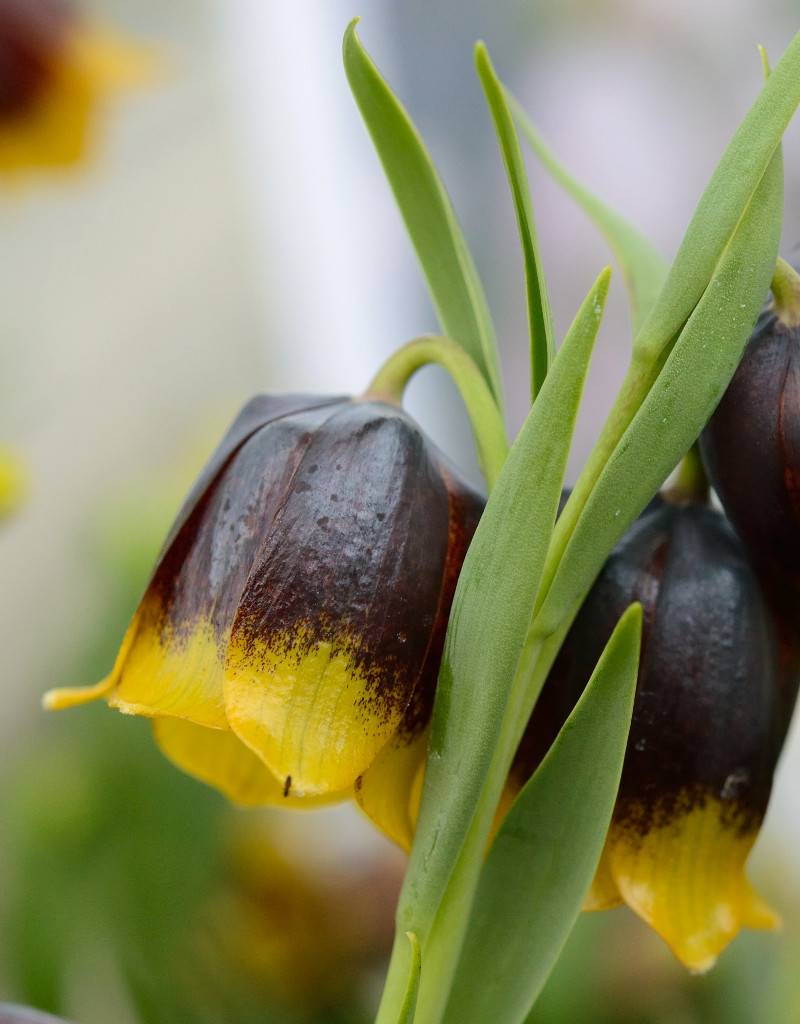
pixel 786 291
pixel 446 939
pixel 488 429
pixel 691 483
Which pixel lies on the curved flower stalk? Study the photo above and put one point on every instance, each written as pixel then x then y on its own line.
pixel 708 724
pixel 288 642
pixel 58 69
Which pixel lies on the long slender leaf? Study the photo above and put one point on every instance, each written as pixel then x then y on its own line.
pixel 488 626
pixel 452 277
pixel 540 317
pixel 543 859
pixel 643 269
pixel 679 404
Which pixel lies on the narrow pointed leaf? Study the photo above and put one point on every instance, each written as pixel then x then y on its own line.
pixel 543 859
pixel 452 277
pixel 540 318
pixel 643 269
pixel 488 626
pixel 683 397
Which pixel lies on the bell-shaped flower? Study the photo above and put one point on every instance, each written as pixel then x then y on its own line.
pixel 712 705
pixel 55 70
pixel 292 629
pixel 751 445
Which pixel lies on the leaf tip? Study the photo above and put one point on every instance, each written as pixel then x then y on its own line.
pixel 350 35
pixel 601 287
pixel 481 52
pixel 765 64
pixel 631 622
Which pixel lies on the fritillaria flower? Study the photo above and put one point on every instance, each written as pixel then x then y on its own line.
pixel 288 643
pixel 55 70
pixel 709 720
pixel 751 446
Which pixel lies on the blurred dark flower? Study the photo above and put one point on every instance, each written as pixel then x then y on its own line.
pixel 55 70
pixel 288 643
pixel 709 721
pixel 305 935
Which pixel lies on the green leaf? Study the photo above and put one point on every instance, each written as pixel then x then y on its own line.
pixel 409 1006
pixel 677 407
pixel 643 269
pixel 476 699
pixel 453 281
pixel 543 859
pixel 540 318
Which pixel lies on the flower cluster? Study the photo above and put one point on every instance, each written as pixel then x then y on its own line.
pixel 330 560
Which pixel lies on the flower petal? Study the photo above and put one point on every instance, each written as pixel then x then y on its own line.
pixel 390 790
pixel 218 758
pixel 682 871
pixel 171 662
pixel 338 615
pixel 604 892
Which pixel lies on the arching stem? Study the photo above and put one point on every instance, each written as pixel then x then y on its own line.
pixel 786 291
pixel 691 483
pixel 389 384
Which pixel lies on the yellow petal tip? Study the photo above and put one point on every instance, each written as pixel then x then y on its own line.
pixel 72 697
pixel 685 877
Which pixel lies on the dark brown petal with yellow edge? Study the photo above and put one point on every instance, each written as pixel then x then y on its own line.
pixel 389 791
pixel 335 623
pixel 170 662
pixel 708 724
pixel 33 35
pixel 175 662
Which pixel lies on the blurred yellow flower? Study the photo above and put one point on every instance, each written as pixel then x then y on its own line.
pixel 13 482
pixel 55 70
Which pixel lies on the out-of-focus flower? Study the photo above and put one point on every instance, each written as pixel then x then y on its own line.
pixel 56 69
pixel 13 482
pixel 305 936
pixel 288 643
pixel 709 720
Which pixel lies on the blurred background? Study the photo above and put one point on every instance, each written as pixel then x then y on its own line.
pixel 231 233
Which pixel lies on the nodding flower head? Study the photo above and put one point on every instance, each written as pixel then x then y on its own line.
pixel 288 642
pixel 751 445
pixel 714 696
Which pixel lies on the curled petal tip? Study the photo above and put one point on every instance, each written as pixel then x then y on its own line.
pixel 74 696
